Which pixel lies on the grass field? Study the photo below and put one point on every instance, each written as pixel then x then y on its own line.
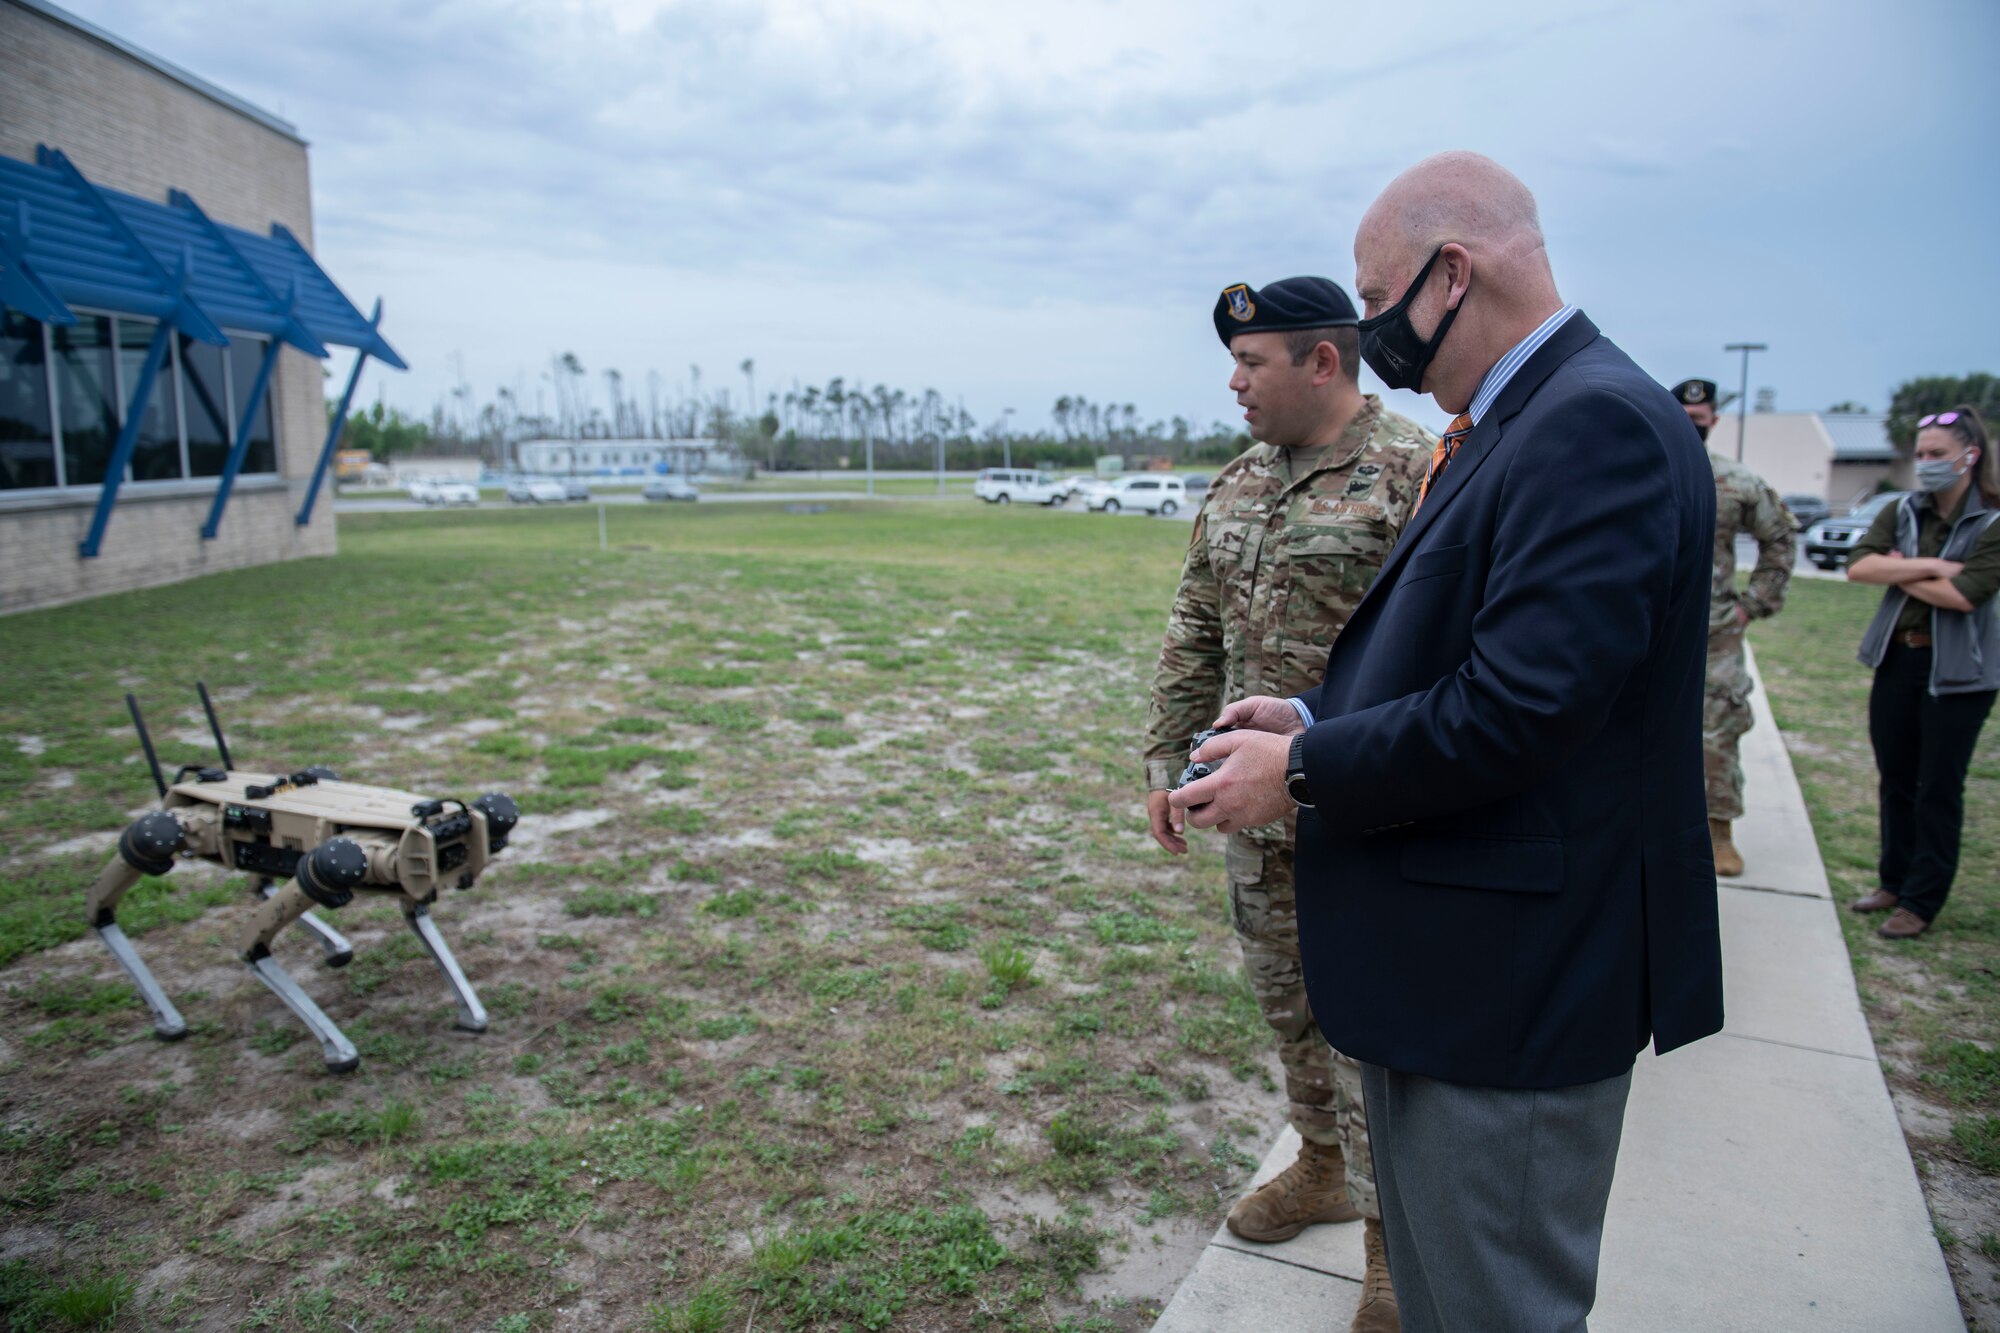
pixel 1933 1003
pixel 834 981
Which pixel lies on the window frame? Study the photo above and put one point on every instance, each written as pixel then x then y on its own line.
pixel 185 484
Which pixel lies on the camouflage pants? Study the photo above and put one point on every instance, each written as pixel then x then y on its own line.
pixel 1725 716
pixel 1324 1086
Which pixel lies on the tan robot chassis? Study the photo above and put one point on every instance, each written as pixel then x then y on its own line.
pixel 309 840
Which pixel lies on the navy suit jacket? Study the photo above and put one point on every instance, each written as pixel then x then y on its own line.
pixel 1507 879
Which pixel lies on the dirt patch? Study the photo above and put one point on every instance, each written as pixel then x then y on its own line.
pixel 83 842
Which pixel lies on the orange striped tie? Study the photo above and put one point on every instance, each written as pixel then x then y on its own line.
pixel 1447 445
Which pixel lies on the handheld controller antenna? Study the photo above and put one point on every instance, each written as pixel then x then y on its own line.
pixel 146 744
pixel 214 727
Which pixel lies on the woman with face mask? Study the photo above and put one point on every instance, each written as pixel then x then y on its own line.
pixel 1935 648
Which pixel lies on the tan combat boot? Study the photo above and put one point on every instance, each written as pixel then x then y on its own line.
pixel 1311 1190
pixel 1728 861
pixel 1378 1312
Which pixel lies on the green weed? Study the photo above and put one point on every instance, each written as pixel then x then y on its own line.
pixel 1009 966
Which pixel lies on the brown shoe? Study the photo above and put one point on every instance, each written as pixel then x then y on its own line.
pixel 1309 1191
pixel 1879 901
pixel 1378 1312
pixel 1903 924
pixel 1728 861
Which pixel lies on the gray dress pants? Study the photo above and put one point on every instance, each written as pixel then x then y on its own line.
pixel 1493 1199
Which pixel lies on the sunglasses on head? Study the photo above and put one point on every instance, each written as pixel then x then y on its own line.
pixel 1938 419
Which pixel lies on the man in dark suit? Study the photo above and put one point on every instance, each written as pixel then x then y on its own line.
pixel 1505 883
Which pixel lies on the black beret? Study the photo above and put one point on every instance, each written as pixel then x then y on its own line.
pixel 1695 392
pixel 1294 303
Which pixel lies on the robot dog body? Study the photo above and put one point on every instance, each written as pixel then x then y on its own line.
pixel 311 841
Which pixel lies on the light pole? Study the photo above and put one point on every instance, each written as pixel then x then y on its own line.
pixel 1743 394
pixel 1006 437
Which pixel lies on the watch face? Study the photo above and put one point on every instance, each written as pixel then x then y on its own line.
pixel 1300 793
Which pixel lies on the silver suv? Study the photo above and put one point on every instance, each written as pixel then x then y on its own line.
pixel 1830 541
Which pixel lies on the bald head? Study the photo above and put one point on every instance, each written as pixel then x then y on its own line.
pixel 1482 224
pixel 1463 197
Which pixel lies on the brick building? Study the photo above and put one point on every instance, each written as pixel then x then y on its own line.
pixel 162 411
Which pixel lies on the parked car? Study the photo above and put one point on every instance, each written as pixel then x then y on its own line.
pixel 1196 483
pixel 1831 540
pixel 452 491
pixel 669 488
pixel 576 488
pixel 1806 509
pixel 421 489
pixel 1154 493
pixel 535 491
pixel 1000 485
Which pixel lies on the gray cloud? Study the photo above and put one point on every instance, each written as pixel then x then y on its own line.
pixel 763 178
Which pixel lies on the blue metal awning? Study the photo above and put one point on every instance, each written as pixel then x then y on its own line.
pixel 322 307
pixel 63 237
pixel 85 254
pixel 66 241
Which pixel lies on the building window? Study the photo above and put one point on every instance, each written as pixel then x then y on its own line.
pixel 246 354
pixel 156 453
pixel 207 397
pixel 27 433
pixel 86 397
pixel 64 392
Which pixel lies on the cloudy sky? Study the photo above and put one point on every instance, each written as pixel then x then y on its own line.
pixel 1013 201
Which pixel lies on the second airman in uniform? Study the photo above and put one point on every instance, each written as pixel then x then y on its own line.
pixel 1744 502
pixel 1289 537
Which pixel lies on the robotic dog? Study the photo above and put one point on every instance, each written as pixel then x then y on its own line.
pixel 321 839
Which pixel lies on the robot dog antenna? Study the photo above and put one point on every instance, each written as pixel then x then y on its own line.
pixel 146 744
pixel 214 727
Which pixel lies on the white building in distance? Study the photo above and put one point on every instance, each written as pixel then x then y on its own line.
pixel 629 458
pixel 1841 457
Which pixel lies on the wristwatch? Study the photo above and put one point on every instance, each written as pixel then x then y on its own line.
pixel 1295 773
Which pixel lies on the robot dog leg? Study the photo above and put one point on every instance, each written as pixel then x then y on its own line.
pixel 328 876
pixel 492 817
pixel 339 953
pixel 146 848
pixel 471 1013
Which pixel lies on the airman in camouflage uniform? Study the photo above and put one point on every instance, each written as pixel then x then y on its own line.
pixel 1744 502
pixel 1286 544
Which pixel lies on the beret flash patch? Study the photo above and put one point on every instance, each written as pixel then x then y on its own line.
pixel 1240 305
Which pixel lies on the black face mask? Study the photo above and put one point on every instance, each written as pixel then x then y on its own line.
pixel 1392 348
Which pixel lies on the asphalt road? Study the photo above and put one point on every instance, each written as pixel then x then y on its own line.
pixel 405 505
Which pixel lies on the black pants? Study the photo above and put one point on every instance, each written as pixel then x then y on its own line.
pixel 1923 745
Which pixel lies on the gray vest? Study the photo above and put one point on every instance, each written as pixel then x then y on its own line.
pixel 1965 645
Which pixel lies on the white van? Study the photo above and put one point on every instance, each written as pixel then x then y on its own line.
pixel 1154 493
pixel 1001 485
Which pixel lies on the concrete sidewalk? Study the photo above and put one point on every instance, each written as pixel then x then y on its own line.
pixel 1763 1182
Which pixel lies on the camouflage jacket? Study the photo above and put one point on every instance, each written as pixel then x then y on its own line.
pixel 1276 565
pixel 1745 502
